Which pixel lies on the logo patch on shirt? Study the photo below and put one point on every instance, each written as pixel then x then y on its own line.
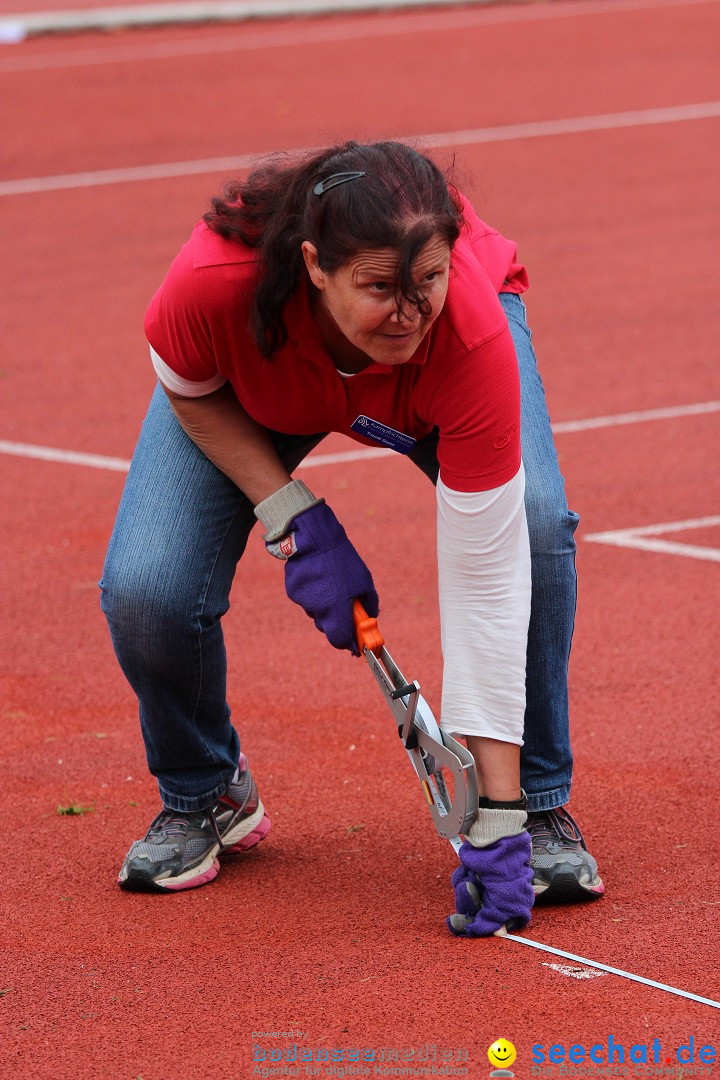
pixel 505 438
pixel 381 433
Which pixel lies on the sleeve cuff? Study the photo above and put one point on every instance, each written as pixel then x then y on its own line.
pixel 278 510
pixel 492 825
pixel 184 387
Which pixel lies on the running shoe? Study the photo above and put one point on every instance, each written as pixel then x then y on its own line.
pixel 564 871
pixel 180 851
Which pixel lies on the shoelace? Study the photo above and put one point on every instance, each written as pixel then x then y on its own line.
pixel 172 823
pixel 549 826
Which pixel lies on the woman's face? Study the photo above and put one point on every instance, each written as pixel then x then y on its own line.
pixel 358 300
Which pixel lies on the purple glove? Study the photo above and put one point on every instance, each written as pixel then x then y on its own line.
pixel 493 887
pixel 324 574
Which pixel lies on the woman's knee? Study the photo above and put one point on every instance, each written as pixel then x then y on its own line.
pixel 145 599
pixel 551 524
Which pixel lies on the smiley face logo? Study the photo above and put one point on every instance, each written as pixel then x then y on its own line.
pixel 501 1054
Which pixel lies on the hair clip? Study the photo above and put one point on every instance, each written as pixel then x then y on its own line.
pixel 334 180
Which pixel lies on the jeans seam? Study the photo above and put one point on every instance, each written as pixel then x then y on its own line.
pixel 201 608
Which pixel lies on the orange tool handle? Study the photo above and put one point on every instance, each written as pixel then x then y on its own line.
pixel 366 630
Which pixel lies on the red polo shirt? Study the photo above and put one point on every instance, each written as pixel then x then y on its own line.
pixel 463 379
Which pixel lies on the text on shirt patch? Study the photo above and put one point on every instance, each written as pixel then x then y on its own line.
pixel 381 433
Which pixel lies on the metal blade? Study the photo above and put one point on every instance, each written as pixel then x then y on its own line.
pixel 430 750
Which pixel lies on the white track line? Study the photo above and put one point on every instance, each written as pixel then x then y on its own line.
pixel 567 426
pixel 638 538
pixel 348 455
pixel 133 174
pixel 64 457
pixel 114 464
pixel 319 32
pixel 14 27
pixel 613 970
pixel 469 137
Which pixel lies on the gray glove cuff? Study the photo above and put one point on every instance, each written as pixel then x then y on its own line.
pixel 492 825
pixel 277 511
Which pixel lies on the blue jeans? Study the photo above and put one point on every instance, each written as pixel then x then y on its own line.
pixel 181 529
pixel 546 758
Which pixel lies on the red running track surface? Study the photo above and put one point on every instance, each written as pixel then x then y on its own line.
pixel 335 925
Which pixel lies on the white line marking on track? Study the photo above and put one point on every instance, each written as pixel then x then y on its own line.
pixel 114 464
pixel 638 538
pixel 575 972
pixel 612 970
pixel 568 426
pixel 65 457
pixel 15 27
pixel 132 174
pixel 319 32
pixel 348 455
pixel 472 137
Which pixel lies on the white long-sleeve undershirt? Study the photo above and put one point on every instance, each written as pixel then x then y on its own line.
pixel 484 590
pixel 185 387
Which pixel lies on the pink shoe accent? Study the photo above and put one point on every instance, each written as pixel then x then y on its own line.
pixel 253 838
pixel 202 879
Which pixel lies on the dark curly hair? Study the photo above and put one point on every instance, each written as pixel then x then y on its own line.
pixel 401 202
